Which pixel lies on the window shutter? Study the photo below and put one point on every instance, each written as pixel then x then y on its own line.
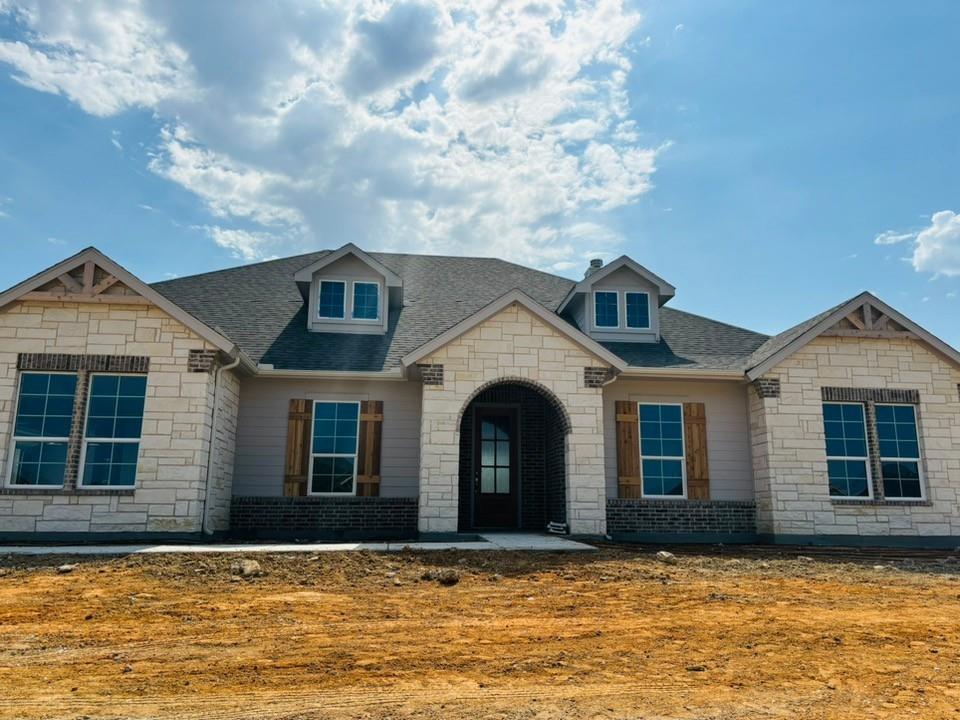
pixel 695 438
pixel 297 461
pixel 628 449
pixel 368 450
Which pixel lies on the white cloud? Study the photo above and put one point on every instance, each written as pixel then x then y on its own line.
pixel 937 248
pixel 465 126
pixel 891 237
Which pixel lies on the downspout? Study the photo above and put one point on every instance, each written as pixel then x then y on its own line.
pixel 213 436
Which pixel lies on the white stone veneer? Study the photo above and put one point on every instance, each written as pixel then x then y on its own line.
pixel 512 343
pixel 789 456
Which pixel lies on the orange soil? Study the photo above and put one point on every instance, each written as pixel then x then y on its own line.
pixel 610 635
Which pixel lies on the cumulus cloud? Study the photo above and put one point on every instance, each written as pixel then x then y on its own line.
pixel 891 237
pixel 936 248
pixel 480 126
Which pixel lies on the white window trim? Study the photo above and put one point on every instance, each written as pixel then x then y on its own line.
pixel 917 460
pixel 14 438
pixel 320 283
pixel 126 441
pixel 616 294
pixel 649 310
pixel 353 290
pixel 866 459
pixel 356 451
pixel 683 449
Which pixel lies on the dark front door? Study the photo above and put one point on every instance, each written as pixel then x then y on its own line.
pixel 495 482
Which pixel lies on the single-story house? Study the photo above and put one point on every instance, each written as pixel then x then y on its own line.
pixel 352 394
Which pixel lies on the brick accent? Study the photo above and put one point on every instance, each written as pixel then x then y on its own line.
pixel 202 361
pixel 75 445
pixel 874 395
pixel 595 377
pixel 431 374
pixel 767 387
pixel 94 363
pixel 324 517
pixel 637 517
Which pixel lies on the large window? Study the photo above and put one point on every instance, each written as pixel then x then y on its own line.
pixel 899 452
pixel 605 309
pixel 331 300
pixel 333 464
pixel 662 457
pixel 366 301
pixel 114 422
pixel 41 429
pixel 848 466
pixel 638 309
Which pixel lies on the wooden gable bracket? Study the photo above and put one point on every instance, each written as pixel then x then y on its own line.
pixel 86 291
pixel 869 322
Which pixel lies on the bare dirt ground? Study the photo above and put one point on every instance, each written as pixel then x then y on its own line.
pixel 725 633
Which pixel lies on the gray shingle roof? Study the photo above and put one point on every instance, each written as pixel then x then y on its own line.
pixel 261 309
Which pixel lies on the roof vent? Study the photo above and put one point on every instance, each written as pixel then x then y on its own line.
pixel 595 265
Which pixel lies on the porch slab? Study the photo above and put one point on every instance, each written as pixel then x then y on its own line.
pixel 488 541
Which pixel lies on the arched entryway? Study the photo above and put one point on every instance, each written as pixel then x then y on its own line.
pixel 513 435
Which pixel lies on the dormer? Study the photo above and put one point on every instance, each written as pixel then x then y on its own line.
pixel 619 302
pixel 348 291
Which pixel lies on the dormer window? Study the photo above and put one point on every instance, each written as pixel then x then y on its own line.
pixel 366 301
pixel 638 310
pixel 606 309
pixel 332 299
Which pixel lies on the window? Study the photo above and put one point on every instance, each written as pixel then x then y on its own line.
pixel 333 464
pixel 847 460
pixel 605 309
pixel 899 452
pixel 111 439
pixel 331 300
pixel 638 309
pixel 495 455
pixel 366 301
pixel 41 430
pixel 662 457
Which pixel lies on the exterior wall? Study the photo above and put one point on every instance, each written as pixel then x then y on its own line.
pixel 653 520
pixel 224 452
pixel 169 491
pixel 325 518
pixel 514 343
pixel 624 280
pixel 789 456
pixel 262 430
pixel 728 429
pixel 347 269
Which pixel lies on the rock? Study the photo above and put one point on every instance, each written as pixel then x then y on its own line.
pixel 396 581
pixel 696 668
pixel 879 567
pixel 496 577
pixel 3 571
pixel 67 568
pixel 127 668
pixel 667 557
pixel 804 558
pixel 448 577
pixel 246 568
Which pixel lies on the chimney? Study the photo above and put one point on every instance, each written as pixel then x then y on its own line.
pixel 595 265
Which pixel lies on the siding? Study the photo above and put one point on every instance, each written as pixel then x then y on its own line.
pixel 728 429
pixel 262 430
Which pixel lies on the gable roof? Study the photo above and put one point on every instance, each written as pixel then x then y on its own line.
pixel 779 347
pixel 664 289
pixel 515 296
pixel 124 276
pixel 305 274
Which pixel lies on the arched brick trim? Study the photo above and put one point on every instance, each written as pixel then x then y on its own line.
pixel 547 394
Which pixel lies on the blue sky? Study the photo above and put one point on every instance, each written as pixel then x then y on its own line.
pixel 768 158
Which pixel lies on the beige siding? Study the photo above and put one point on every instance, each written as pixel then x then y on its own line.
pixel 262 430
pixel 728 432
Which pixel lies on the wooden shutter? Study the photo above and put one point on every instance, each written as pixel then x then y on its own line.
pixel 299 421
pixel 628 450
pixel 695 438
pixel 368 449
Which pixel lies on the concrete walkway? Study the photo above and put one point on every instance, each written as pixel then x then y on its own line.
pixel 488 541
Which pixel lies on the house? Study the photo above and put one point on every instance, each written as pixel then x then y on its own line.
pixel 347 394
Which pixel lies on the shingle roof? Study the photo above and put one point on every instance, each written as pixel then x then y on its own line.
pixel 261 309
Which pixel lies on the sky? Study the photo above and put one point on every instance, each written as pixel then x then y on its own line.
pixel 769 159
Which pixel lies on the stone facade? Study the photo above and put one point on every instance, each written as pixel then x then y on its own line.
pixel 789 455
pixel 175 442
pixel 514 343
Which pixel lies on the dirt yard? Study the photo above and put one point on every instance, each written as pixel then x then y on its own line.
pixel 617 634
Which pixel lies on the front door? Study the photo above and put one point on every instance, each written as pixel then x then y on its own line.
pixel 495 481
